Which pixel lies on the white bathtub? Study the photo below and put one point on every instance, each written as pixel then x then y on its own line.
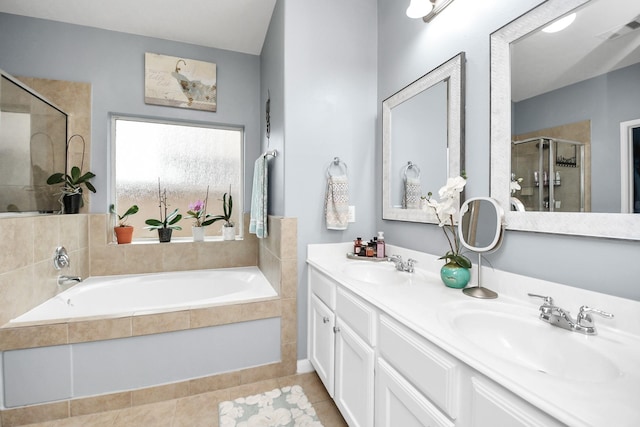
pixel 146 293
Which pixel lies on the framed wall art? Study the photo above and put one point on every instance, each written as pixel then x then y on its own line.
pixel 180 82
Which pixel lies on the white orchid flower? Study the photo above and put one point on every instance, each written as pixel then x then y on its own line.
pixel 453 187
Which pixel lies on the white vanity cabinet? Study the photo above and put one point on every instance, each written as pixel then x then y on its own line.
pixel 341 346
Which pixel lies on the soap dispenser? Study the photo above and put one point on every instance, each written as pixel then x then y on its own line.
pixel 380 249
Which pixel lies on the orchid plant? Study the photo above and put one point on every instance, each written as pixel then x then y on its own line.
pixel 445 210
pixel 198 211
pixel 167 220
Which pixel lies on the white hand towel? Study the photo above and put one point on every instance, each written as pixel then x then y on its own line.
pixel 336 207
pixel 258 223
pixel 412 193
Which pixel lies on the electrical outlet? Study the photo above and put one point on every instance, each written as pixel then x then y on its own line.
pixel 352 214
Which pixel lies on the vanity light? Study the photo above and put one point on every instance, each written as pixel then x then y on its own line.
pixel 426 9
pixel 560 24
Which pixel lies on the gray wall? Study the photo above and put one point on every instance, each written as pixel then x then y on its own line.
pixel 114 65
pixel 408 49
pixel 606 100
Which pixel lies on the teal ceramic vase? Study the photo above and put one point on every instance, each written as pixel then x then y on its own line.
pixel 455 276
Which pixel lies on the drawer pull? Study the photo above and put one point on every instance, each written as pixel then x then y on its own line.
pixel 336 329
pixel 325 319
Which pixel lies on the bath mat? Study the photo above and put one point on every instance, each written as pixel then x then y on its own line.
pixel 280 407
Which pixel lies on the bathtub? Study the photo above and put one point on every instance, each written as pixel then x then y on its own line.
pixel 113 296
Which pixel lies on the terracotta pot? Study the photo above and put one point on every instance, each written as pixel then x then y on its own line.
pixel 124 234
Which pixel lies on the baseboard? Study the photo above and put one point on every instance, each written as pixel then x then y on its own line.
pixel 305 366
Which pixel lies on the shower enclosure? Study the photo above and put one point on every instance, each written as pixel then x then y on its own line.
pixel 550 173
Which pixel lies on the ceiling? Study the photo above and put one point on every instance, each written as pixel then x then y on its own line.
pixel 237 25
pixel 597 42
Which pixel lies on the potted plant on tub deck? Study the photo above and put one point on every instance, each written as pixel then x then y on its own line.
pixel 124 232
pixel 167 222
pixel 72 188
pixel 201 219
pixel 228 229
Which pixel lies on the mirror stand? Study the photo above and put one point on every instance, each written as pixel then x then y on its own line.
pixel 480 291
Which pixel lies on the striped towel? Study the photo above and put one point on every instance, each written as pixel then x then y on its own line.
pixel 258 223
pixel 336 206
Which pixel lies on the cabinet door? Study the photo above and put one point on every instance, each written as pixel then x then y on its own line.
pixel 398 403
pixel 322 341
pixel 492 405
pixel 353 377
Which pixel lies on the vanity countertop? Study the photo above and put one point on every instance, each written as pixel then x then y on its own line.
pixel 426 306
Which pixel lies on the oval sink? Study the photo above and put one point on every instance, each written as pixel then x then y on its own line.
pixel 535 345
pixel 379 273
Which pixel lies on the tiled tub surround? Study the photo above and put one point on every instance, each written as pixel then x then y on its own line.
pixel 276 257
pixel 425 308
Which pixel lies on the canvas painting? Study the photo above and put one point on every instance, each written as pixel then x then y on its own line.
pixel 180 82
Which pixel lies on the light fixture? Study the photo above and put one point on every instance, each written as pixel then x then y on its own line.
pixel 426 9
pixel 560 24
pixel 419 8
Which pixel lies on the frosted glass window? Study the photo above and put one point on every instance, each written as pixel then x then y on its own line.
pixel 186 159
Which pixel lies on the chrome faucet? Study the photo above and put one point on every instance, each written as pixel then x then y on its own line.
pixel 407 266
pixel 561 318
pixel 65 280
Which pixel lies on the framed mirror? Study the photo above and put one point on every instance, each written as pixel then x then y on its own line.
pixel 33 135
pixel 422 140
pixel 480 229
pixel 563 108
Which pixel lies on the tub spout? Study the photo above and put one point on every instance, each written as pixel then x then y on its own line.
pixel 65 280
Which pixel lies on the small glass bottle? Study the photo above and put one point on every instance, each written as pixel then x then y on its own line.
pixel 357 246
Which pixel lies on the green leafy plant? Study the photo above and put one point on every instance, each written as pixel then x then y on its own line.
pixel 227 209
pixel 166 220
pixel 73 182
pixel 122 219
pixel 198 211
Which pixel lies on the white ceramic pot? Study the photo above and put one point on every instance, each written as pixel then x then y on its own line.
pixel 198 234
pixel 228 233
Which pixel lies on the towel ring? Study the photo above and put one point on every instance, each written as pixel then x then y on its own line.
pixel 410 166
pixel 336 163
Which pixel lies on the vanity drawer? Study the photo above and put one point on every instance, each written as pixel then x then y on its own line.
pixel 433 372
pixel 323 287
pixel 360 316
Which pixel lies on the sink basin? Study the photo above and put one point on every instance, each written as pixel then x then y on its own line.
pixel 533 344
pixel 379 273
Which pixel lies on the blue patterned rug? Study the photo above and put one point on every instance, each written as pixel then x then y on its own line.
pixel 281 407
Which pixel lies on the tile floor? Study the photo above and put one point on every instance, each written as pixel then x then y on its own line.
pixel 202 410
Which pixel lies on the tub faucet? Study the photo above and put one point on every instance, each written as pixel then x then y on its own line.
pixel 65 280
pixel 561 318
pixel 407 266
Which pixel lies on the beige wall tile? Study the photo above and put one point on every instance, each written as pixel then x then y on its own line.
pixel 46 229
pixel 270 266
pixel 17 294
pixel 16 245
pixel 289 320
pixel 217 382
pixel 289 238
pixel 99 329
pixel 160 393
pixel 33 336
pixel 162 322
pixel 259 373
pixel 35 414
pixel 99 231
pixel 103 403
pixel 289 281
pixel 212 316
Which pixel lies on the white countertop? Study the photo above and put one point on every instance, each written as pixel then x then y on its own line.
pixel 424 307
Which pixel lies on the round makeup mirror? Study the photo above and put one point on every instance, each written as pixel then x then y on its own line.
pixel 481 230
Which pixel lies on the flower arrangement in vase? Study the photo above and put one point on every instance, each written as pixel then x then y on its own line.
pixel 167 222
pixel 455 273
pixel 124 232
pixel 228 229
pixel 198 211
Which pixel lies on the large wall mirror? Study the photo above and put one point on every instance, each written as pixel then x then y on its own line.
pixel 33 134
pixel 565 119
pixel 423 140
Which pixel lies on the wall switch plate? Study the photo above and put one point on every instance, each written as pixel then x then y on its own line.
pixel 352 214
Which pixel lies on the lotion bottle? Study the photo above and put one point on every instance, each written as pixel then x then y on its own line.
pixel 381 249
